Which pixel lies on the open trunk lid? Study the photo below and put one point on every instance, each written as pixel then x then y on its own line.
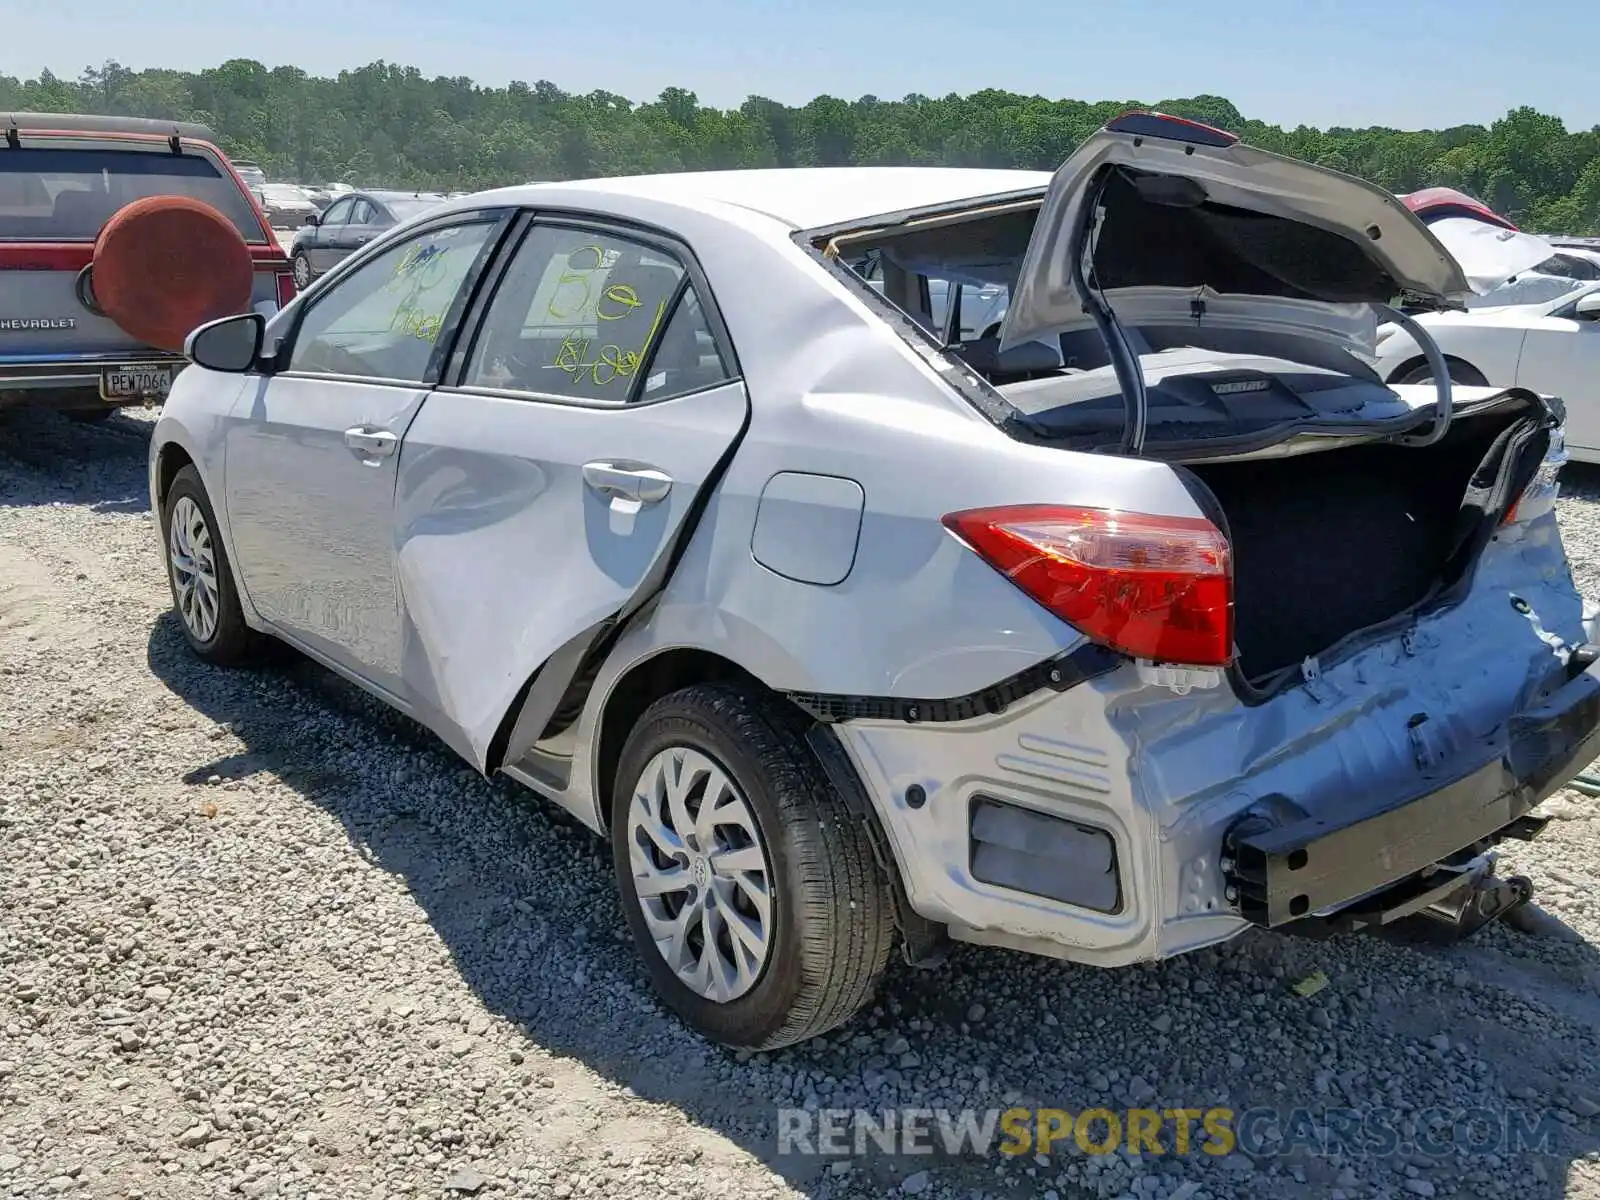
pixel 1178 215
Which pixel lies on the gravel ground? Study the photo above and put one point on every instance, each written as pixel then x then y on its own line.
pixel 259 937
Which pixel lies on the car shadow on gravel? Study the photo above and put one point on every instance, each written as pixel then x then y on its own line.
pixel 522 898
pixel 102 465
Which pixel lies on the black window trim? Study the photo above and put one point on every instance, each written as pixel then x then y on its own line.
pixel 1566 308
pixel 639 232
pixel 499 220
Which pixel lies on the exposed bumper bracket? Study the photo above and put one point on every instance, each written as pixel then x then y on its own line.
pixel 1285 865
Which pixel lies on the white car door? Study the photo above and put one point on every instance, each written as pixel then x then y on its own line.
pixel 312 447
pixel 1561 357
pixel 544 486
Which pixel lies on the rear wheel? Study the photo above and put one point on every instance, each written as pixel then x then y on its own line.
pixel 750 889
pixel 1460 372
pixel 202 582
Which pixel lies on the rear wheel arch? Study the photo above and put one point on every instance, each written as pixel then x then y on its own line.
pixel 640 686
pixel 660 675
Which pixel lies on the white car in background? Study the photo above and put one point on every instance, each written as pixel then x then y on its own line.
pixel 1538 329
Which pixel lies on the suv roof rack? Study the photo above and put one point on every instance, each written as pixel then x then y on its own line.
pixel 15 124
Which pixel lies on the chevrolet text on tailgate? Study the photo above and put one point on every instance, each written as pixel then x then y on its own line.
pixel 117 237
pixel 897 555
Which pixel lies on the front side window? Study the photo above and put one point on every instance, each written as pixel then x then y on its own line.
pixel 383 320
pixel 338 212
pixel 580 315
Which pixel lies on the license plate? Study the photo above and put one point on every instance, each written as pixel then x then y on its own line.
pixel 135 383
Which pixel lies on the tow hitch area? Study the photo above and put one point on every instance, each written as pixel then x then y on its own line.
pixel 1379 859
pixel 1474 905
pixel 1447 903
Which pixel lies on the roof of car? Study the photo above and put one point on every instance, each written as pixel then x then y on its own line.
pixel 809 197
pixel 92 123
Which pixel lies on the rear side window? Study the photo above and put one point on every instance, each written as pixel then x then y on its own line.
pixel 593 316
pixel 66 195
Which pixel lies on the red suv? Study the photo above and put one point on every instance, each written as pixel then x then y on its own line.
pixel 118 236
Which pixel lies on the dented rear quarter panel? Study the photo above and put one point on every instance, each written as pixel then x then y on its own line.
pixel 1167 774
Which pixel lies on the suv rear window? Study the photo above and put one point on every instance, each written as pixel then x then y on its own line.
pixel 51 194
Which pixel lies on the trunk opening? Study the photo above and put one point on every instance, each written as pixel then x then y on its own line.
pixel 1328 544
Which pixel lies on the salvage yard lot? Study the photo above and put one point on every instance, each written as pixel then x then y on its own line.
pixel 261 936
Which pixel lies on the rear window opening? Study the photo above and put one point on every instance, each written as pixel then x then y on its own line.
pixel 55 194
pixel 954 273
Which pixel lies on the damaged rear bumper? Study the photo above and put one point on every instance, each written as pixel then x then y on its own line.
pixel 1379 862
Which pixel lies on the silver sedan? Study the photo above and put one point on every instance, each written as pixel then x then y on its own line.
pixel 1146 617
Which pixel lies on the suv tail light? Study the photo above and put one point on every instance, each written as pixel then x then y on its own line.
pixel 1158 588
pixel 1539 497
pixel 286 289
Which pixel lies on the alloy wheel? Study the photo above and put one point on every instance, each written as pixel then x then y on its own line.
pixel 194 569
pixel 701 873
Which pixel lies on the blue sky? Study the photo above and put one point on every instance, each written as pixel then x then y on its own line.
pixel 1408 63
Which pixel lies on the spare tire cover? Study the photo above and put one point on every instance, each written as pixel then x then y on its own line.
pixel 165 265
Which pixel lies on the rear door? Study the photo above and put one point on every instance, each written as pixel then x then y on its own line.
pixel 311 451
pixel 544 485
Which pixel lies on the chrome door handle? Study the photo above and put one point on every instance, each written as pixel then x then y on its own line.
pixel 379 443
pixel 636 482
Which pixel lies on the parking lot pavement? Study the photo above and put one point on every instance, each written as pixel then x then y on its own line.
pixel 261 936
pixel 285 239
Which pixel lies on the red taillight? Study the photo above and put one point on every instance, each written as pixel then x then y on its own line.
pixel 1154 587
pixel 286 290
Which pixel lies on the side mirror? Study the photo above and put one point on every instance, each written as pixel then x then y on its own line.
pixel 313 219
pixel 231 344
pixel 1588 308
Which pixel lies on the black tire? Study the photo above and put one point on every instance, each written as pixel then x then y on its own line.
pixel 832 910
pixel 1460 372
pixel 300 265
pixel 232 642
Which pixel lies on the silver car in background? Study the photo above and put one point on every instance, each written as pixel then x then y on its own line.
pixel 1149 617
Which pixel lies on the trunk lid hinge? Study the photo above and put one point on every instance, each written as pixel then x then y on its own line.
pixel 1316 686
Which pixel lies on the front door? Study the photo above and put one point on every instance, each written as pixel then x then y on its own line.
pixel 319 246
pixel 358 230
pixel 312 450
pixel 543 489
pixel 1561 357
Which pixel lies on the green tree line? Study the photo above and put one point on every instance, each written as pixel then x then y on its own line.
pixel 388 125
